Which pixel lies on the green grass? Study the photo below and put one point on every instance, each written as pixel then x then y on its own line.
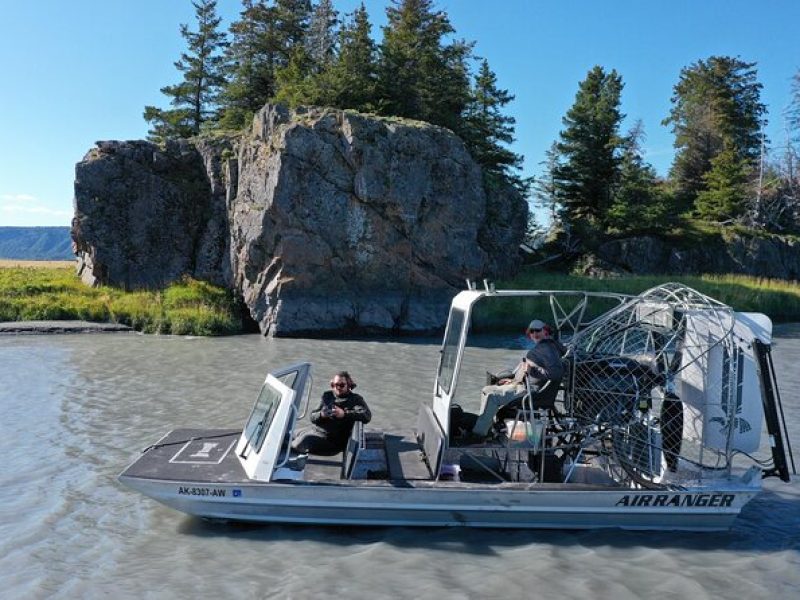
pixel 779 300
pixel 186 308
pixel 198 308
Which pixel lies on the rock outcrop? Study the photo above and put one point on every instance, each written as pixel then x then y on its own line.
pixel 319 219
pixel 760 256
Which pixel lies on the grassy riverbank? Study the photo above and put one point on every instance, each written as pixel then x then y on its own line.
pixel 780 300
pixel 776 298
pixel 32 293
pixel 55 294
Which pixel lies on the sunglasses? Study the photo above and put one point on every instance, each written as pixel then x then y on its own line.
pixel 339 385
pixel 534 330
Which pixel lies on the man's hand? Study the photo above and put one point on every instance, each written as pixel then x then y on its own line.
pixel 338 412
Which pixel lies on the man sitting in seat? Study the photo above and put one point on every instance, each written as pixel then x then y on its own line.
pixel 542 363
pixel 333 420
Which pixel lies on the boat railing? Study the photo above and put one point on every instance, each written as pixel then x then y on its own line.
pixel 306 400
pixel 294 416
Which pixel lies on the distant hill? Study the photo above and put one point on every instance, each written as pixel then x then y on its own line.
pixel 36 243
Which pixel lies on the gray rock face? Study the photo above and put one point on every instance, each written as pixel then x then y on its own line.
pixel 771 257
pixel 145 216
pixel 320 219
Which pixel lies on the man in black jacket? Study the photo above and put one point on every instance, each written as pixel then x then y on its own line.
pixel 332 421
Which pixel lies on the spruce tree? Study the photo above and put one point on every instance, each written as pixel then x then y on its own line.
pixel 195 98
pixel 303 80
pixel 488 132
pixel 544 189
pixel 726 187
pixel 639 203
pixel 294 83
pixel 251 61
pixel 589 160
pixel 357 65
pixel 320 42
pixel 716 105
pixel 292 21
pixel 420 76
pixel 264 41
pixel 349 80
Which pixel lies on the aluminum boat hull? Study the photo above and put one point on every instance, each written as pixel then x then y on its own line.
pixel 451 504
pixel 215 486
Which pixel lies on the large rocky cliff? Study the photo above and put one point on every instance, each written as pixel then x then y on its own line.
pixel 319 219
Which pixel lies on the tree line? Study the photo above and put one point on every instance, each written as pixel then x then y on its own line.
pixel 299 53
pixel 596 181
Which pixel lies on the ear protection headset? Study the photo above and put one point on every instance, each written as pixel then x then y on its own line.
pixel 346 376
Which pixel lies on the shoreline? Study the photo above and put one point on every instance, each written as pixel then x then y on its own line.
pixel 51 327
pixel 9 328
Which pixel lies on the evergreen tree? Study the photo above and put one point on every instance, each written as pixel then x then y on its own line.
pixel 357 65
pixel 588 150
pixel 544 188
pixel 349 80
pixel 264 41
pixel 293 83
pixel 293 17
pixel 716 105
pixel 726 187
pixel 320 41
pixel 251 63
pixel 639 202
pixel 195 98
pixel 305 79
pixel 421 77
pixel 487 131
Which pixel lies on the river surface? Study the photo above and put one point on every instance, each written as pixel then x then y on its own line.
pixel 76 409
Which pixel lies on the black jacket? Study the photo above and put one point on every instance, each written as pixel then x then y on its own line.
pixel 546 359
pixel 355 409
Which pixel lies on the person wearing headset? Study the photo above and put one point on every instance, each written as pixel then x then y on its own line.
pixel 542 362
pixel 332 421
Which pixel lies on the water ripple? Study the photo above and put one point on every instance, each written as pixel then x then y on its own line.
pixel 77 409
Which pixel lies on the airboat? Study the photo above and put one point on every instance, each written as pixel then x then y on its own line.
pixel 668 417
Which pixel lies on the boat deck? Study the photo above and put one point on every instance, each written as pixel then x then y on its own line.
pixel 208 456
pixel 404 458
pixel 201 455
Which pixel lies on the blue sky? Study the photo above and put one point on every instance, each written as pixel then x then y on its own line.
pixel 78 71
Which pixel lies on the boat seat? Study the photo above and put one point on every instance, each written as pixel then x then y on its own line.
pixel 351 453
pixel 502 406
pixel 405 460
pixel 541 398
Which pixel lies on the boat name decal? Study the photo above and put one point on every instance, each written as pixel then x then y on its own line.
pixel 689 500
pixel 196 491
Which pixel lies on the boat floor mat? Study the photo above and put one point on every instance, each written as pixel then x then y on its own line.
pixel 405 459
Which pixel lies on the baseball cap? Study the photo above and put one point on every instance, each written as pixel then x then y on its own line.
pixel 537 324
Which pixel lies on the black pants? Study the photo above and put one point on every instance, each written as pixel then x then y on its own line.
pixel 316 441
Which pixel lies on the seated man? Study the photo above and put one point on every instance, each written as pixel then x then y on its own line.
pixel 332 421
pixel 541 363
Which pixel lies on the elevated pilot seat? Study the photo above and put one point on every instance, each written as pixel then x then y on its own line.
pixel 503 401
